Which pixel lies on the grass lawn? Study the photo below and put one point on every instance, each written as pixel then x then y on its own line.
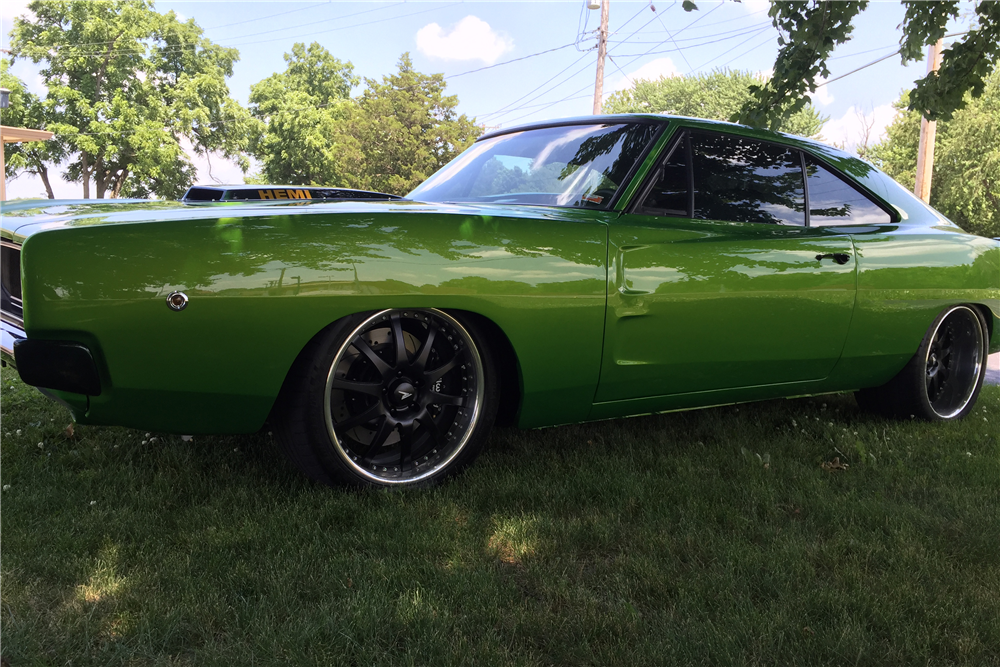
pixel 728 536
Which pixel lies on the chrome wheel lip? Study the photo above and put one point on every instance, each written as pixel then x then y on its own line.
pixel 476 407
pixel 978 368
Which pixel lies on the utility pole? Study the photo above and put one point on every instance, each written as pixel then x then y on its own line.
pixel 602 50
pixel 928 131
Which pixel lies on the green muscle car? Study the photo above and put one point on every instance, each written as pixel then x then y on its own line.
pixel 553 273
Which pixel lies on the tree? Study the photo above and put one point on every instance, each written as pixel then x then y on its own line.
pixel 811 30
pixel 716 95
pixel 26 110
pixel 396 134
pixel 407 128
pixel 966 179
pixel 305 112
pixel 125 85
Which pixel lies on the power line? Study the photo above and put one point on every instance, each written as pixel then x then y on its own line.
pixel 261 18
pixel 753 33
pixel 112 41
pixel 752 48
pixel 674 43
pixel 736 47
pixel 622 26
pixel 861 53
pixel 627 77
pixel 222 43
pixel 546 104
pixel 570 96
pixel 650 51
pixel 858 69
pixel 513 60
pixel 552 104
pixel 736 32
pixel 335 18
pixel 506 109
pixel 636 31
pixel 878 60
pixel 581 21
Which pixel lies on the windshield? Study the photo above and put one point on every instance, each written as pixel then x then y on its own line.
pixel 572 165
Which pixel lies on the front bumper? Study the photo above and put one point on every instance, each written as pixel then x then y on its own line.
pixel 51 364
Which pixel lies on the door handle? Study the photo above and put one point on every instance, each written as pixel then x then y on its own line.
pixel 838 257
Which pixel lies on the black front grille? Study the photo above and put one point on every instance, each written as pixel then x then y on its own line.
pixel 10 273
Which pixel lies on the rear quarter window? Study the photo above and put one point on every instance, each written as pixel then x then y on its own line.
pixel 834 201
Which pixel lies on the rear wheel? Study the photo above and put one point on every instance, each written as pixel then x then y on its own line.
pixel 944 377
pixel 395 398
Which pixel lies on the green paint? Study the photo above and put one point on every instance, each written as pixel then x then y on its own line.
pixel 609 313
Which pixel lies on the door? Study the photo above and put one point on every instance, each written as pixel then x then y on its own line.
pixel 715 280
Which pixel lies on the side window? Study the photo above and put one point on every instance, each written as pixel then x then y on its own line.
pixel 832 201
pixel 670 193
pixel 744 180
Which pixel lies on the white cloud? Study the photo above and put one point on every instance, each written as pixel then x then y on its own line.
pixel 850 129
pixel 654 70
pixel 469 39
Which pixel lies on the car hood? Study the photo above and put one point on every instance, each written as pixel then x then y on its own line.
pixel 21 219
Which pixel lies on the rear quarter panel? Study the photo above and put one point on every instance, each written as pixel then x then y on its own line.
pixel 908 274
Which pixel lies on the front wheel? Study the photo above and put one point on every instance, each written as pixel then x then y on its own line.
pixel 944 377
pixel 401 397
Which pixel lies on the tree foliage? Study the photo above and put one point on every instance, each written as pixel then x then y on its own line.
pixel 965 185
pixel 125 86
pixel 717 95
pixel 398 132
pixel 811 30
pixel 408 128
pixel 304 111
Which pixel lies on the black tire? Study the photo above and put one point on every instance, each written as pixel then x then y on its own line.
pixel 402 397
pixel 943 379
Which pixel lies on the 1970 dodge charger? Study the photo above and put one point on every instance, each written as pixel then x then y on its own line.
pixel 577 270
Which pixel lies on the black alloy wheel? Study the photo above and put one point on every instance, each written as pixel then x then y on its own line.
pixel 953 365
pixel 944 377
pixel 404 394
pixel 403 397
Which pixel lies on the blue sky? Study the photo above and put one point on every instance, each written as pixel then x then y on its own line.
pixel 455 38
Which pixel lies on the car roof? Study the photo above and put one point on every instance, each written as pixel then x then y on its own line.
pixel 721 125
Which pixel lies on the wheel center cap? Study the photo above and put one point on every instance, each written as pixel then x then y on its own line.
pixel 403 395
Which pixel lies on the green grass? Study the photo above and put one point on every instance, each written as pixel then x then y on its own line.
pixel 713 537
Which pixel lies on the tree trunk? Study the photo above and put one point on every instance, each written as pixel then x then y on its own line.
pixel 85 172
pixel 100 177
pixel 43 173
pixel 118 183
